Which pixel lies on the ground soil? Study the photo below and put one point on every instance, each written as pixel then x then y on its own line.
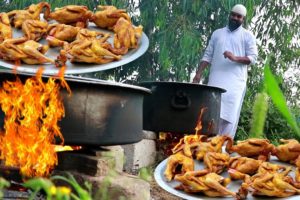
pixel 157 193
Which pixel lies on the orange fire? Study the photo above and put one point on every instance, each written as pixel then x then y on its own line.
pixel 172 141
pixel 60 148
pixel 32 111
pixel 198 127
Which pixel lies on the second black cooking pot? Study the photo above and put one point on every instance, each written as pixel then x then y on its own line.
pixel 176 107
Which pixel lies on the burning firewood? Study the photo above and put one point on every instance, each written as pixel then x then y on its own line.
pixel 32 111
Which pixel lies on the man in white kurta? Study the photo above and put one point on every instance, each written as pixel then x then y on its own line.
pixel 229 51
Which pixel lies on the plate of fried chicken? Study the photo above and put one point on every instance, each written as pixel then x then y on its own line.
pixel 204 167
pixel 72 36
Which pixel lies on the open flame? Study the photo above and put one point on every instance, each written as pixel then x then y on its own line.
pixel 60 148
pixel 198 127
pixel 168 141
pixel 32 111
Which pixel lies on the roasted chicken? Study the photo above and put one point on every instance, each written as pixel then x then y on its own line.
pixel 253 148
pixel 216 162
pixel 73 15
pixel 21 49
pixel 268 184
pixel 85 34
pixel 198 145
pixel 288 151
pixel 243 165
pixel 188 143
pixel 18 17
pixel 87 51
pixel 178 164
pixel 267 167
pixel 107 16
pixel 5 28
pixel 34 29
pixel 126 35
pixel 213 144
pixel 297 173
pixel 63 32
pixel 210 184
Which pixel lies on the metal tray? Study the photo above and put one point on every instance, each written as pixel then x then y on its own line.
pixel 233 186
pixel 78 68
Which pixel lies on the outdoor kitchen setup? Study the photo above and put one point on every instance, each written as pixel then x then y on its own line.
pixel 73 128
pixel 99 117
pixel 103 119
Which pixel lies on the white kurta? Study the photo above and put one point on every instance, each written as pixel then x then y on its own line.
pixel 227 74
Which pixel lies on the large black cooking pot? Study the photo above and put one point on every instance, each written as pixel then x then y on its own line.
pixel 98 112
pixel 175 107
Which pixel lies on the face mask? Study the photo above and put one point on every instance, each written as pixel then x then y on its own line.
pixel 234 24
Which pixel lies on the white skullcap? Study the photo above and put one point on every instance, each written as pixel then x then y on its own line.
pixel 239 9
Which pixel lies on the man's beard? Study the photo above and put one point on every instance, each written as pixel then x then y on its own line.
pixel 233 24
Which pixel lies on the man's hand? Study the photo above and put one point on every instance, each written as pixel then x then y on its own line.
pixel 242 59
pixel 202 66
pixel 197 78
pixel 230 56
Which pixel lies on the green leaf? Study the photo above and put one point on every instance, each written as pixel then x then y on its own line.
pixel 37 184
pixel 278 99
pixel 260 109
pixel 145 174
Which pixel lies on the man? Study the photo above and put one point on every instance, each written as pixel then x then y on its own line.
pixel 229 51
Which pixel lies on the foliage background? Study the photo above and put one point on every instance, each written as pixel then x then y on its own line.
pixel 179 30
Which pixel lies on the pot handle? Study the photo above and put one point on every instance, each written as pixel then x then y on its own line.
pixel 181 100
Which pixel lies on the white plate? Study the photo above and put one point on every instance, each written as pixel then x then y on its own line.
pixel 233 186
pixel 78 68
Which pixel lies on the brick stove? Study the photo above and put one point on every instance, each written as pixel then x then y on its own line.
pixel 119 164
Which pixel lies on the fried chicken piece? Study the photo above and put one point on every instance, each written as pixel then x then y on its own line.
pixel 5 28
pixel 199 145
pixel 34 29
pixel 178 164
pixel 85 34
pixel 72 15
pixel 268 184
pixel 210 184
pixel 267 167
pixel 186 142
pixel 213 144
pixel 90 52
pixel 259 167
pixel 18 17
pixel 288 151
pixel 61 59
pixel 241 166
pixel 54 42
pixel 63 32
pixel 297 173
pixel 21 49
pixel 126 35
pixel 216 162
pixel 107 16
pixel 253 148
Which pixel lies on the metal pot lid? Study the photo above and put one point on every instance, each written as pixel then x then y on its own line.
pixel 222 90
pixel 85 80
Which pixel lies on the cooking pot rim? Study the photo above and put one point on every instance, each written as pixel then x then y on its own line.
pixel 85 80
pixel 222 90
